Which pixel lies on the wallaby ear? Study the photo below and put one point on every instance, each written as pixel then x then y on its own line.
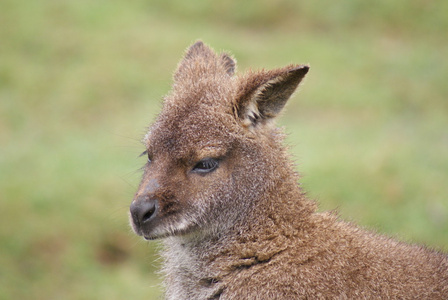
pixel 228 63
pixel 264 95
pixel 196 56
pixel 200 56
pixel 198 49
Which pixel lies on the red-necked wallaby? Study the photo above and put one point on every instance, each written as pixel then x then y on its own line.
pixel 222 193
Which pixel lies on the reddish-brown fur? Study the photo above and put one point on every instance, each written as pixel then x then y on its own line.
pixel 222 192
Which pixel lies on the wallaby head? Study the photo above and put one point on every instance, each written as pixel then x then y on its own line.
pixel 213 152
pixel 221 190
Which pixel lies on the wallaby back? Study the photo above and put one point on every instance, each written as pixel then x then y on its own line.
pixel 221 191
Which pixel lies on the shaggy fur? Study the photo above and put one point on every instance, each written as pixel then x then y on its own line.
pixel 221 191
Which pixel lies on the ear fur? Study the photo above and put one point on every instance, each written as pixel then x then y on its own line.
pixel 201 56
pixel 198 49
pixel 229 63
pixel 263 95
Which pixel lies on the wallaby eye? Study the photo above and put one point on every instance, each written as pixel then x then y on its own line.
pixel 146 153
pixel 206 165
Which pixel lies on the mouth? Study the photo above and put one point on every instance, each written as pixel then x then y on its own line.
pixel 149 238
pixel 143 231
pixel 158 226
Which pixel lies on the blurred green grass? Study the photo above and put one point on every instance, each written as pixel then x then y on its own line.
pixel 81 80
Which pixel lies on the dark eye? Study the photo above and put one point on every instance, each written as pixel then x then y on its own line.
pixel 146 153
pixel 206 165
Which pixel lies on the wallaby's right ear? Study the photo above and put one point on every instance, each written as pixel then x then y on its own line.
pixel 200 54
pixel 228 63
pixel 263 95
pixel 198 49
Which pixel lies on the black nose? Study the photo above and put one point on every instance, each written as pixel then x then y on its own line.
pixel 143 210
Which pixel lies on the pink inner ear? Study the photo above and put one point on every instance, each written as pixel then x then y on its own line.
pixel 275 93
pixel 263 94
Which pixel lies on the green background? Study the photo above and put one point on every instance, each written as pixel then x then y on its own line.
pixel 81 80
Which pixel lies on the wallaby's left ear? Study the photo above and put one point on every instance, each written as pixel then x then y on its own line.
pixel 263 95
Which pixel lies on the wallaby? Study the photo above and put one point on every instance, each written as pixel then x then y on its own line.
pixel 220 189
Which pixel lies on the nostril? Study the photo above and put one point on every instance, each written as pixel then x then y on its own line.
pixel 148 211
pixel 142 211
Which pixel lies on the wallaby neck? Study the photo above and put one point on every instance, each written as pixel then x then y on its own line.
pixel 194 262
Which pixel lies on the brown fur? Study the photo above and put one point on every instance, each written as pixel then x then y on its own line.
pixel 245 230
